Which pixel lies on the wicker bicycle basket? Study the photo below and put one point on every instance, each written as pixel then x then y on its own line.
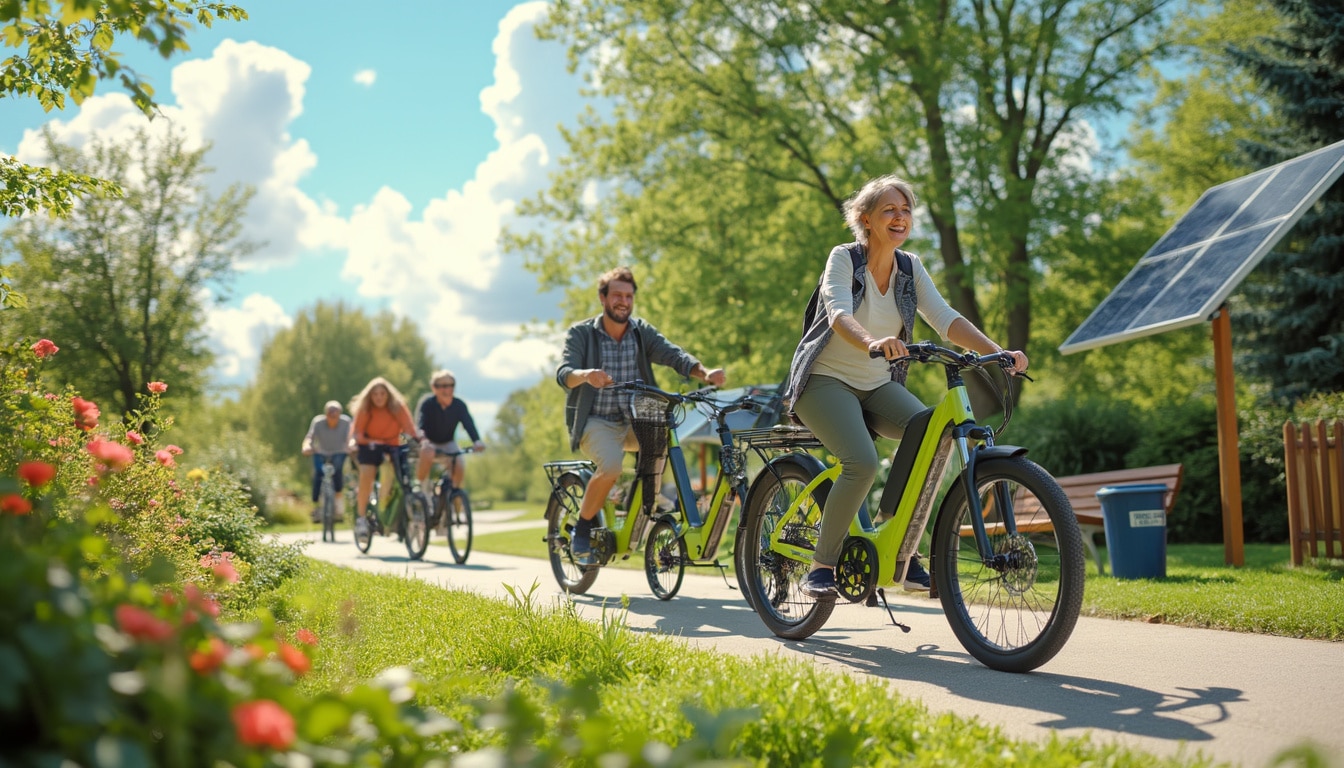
pixel 650 418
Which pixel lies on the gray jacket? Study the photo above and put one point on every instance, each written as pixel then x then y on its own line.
pixel 818 335
pixel 582 351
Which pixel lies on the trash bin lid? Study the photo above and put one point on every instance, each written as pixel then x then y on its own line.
pixel 1112 490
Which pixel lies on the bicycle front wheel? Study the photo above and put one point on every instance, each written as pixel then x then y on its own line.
pixel 1015 609
pixel 417 524
pixel 664 560
pixel 773 581
pixel 328 514
pixel 459 525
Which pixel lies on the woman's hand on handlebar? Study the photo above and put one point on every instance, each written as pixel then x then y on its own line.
pixel 889 347
pixel 1020 361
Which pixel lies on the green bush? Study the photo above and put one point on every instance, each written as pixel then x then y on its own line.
pixel 1074 437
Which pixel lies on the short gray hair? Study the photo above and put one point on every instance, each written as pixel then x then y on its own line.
pixel 865 200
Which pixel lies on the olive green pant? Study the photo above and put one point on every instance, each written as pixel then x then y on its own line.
pixel 835 411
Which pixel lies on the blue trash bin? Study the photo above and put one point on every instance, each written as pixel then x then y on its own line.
pixel 1135 520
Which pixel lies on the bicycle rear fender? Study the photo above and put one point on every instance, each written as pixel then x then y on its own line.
pixel 807 461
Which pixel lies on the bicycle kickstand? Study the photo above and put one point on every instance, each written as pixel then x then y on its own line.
pixel 723 574
pixel 882 594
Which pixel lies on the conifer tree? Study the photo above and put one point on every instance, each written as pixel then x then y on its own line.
pixel 1293 329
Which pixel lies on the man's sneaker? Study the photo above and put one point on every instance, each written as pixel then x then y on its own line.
pixel 916 578
pixel 317 513
pixel 361 527
pixel 580 542
pixel 819 583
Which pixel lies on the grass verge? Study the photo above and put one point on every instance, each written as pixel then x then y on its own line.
pixel 631 690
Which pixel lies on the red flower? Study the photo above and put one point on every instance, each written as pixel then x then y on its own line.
pixel 141 624
pixel 115 455
pixel 295 659
pixel 158 387
pixel 86 413
pixel 198 599
pixel 165 458
pixel 36 473
pixel 45 348
pixel 306 636
pixel 207 661
pixel 15 504
pixel 263 723
pixel 135 437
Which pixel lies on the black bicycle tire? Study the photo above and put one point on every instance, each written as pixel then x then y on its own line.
pixel 655 555
pixel 558 517
pixel 415 508
pixel 460 551
pixel 328 512
pixel 366 543
pixel 953 583
pixel 760 595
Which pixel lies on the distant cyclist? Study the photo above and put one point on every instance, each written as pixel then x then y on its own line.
pixel 438 415
pixel 328 436
pixel 836 389
pixel 381 417
pixel 609 349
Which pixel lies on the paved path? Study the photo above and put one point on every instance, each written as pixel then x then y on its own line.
pixel 1235 697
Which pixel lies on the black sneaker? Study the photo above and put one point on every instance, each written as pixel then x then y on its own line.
pixel 916 578
pixel 580 542
pixel 819 583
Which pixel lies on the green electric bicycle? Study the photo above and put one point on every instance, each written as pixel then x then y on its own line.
pixel 1006 556
pixel 405 510
pixel 690 530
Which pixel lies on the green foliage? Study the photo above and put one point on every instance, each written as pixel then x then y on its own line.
pixel 119 281
pixel 329 353
pixel 529 431
pixel 1074 437
pixel 66 49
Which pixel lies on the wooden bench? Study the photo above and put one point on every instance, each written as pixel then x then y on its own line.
pixel 1082 493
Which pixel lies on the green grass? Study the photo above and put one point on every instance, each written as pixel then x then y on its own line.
pixel 629 689
pixel 1266 596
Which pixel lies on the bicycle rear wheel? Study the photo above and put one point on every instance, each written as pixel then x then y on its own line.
pixel 562 511
pixel 416 524
pixel 1016 611
pixel 773 581
pixel 664 560
pixel 459 525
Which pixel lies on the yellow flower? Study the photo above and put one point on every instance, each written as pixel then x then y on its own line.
pixel 197 475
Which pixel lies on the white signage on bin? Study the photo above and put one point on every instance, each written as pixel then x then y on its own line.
pixel 1147 518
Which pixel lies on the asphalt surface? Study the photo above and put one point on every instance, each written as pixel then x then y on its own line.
pixel 1237 698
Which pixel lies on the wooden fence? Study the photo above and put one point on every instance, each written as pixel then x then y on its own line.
pixel 1314 470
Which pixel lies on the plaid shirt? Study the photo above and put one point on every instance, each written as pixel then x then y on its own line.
pixel 618 360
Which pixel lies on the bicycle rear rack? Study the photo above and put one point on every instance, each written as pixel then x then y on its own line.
pixel 780 436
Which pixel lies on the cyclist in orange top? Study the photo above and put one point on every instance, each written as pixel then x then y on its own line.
pixel 381 417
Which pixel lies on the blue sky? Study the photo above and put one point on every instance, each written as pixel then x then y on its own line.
pixel 388 150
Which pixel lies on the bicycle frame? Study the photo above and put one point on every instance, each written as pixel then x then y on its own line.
pixel 390 508
pixel 932 438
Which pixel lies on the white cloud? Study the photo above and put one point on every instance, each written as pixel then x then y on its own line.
pixel 366 77
pixel 238 333
pixel 513 359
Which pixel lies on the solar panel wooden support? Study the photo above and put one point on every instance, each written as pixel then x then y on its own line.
pixel 1314 469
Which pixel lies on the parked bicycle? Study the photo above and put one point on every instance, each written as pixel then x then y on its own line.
pixel 451 513
pixel 1006 558
pixel 405 511
pixel 689 533
pixel 327 495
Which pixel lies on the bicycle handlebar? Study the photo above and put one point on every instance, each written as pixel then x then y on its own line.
pixel 928 352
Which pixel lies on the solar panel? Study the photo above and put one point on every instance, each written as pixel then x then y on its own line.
pixel 1197 264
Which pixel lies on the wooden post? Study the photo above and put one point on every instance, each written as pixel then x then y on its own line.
pixel 1229 458
pixel 1293 446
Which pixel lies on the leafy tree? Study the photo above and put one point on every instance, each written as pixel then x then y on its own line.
pixel 1294 334
pixel 119 281
pixel 65 50
pixel 736 130
pixel 329 353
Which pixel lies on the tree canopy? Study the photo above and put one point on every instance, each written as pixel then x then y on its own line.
pixel 120 279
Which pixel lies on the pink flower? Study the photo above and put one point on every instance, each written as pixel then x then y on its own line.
pixel 263 723
pixel 141 624
pixel 114 455
pixel 36 473
pixel 86 413
pixel 45 348
pixel 173 449
pixel 14 504
pixel 158 387
pixel 295 659
pixel 164 457
pixel 207 661
pixel 306 636
pixel 135 437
